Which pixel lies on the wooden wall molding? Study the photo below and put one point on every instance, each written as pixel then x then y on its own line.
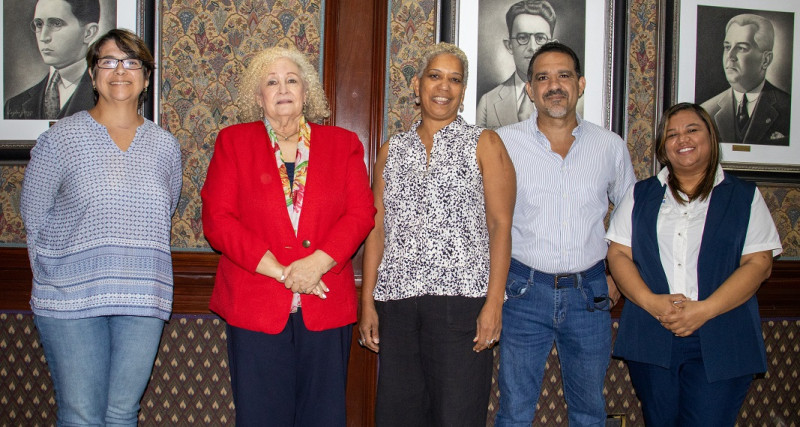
pixel 778 297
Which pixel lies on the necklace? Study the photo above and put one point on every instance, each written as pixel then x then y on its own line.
pixel 285 137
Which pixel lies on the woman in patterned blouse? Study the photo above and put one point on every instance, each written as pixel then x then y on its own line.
pixel 287 202
pixel 98 196
pixel 435 264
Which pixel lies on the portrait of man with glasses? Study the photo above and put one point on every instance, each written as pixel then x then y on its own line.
pixel 63 30
pixel 528 25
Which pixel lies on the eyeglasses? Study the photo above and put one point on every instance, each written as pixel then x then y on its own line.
pixel 111 63
pixel 52 24
pixel 538 38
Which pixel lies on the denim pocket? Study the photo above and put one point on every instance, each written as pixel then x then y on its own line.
pixel 516 288
pixel 595 293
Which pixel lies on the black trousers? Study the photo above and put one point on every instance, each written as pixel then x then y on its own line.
pixel 294 378
pixel 428 373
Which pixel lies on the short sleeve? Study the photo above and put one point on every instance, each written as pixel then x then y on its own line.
pixel 620 226
pixel 761 232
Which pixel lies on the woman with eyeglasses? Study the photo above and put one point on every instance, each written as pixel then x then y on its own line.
pixel 97 202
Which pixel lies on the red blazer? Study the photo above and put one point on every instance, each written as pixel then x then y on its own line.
pixel 244 215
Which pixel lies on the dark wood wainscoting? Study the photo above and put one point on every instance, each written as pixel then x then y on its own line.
pixel 779 296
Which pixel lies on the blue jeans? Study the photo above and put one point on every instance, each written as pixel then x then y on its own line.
pixel 534 316
pixel 100 366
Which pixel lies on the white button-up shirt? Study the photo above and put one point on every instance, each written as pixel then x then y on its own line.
pixel 680 232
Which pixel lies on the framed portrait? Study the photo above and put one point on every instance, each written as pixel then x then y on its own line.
pixel 737 62
pixel 31 47
pixel 498 61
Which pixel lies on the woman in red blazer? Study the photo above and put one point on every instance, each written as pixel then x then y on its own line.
pixel 287 203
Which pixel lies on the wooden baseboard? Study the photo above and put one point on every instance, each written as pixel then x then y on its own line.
pixel 194 274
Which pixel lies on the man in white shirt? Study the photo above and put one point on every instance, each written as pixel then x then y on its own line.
pixel 753 110
pixel 64 30
pixel 558 292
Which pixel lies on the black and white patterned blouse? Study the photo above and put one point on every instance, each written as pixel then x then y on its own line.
pixel 436 238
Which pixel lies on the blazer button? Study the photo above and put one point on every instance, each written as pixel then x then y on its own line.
pixel 306 243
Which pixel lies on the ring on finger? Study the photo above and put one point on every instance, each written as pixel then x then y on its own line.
pixel 361 342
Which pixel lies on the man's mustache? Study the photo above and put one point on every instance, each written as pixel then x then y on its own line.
pixel 553 92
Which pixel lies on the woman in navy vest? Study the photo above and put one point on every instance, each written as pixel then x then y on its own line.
pixel 689 249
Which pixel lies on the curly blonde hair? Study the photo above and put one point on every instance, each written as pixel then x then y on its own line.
pixel 315 108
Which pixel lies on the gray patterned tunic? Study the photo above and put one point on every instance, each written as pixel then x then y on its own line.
pixel 436 238
pixel 98 220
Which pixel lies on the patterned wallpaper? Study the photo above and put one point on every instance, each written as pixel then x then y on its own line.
pixel 642 75
pixel 411 27
pixel 205 45
pixel 204 48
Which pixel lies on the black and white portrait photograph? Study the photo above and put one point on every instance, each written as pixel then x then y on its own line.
pixel 43 75
pixel 738 63
pixel 509 32
pixel 744 73
pixel 44 55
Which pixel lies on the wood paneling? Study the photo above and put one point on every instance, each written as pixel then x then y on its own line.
pixel 194 273
pixel 355 40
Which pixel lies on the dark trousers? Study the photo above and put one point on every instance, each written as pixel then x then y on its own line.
pixel 428 373
pixel 294 378
pixel 681 395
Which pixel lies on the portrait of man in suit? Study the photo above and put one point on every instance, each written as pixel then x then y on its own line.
pixel 64 29
pixel 752 110
pixel 530 24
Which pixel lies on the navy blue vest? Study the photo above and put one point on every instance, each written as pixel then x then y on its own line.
pixel 732 344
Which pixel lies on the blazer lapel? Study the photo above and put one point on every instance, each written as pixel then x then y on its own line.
pixel 764 115
pixel 724 118
pixel 506 106
pixel 264 165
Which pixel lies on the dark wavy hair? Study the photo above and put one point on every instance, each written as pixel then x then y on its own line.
pixel 531 7
pixel 132 45
pixel 85 11
pixel 703 189
pixel 559 47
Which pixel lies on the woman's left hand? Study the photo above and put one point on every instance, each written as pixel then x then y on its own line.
pixel 489 325
pixel 304 275
pixel 689 317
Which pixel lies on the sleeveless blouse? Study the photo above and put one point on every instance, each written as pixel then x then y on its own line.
pixel 436 237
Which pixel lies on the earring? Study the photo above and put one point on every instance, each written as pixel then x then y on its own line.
pixel 461 108
pixel 417 100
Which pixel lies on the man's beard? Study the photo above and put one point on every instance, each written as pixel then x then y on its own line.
pixel 558 111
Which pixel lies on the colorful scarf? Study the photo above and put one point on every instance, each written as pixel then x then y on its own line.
pixel 293 193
